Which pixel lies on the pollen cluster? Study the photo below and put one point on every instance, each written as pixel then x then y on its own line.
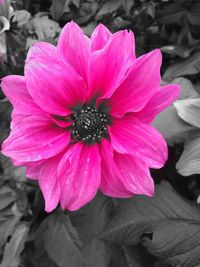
pixel 89 125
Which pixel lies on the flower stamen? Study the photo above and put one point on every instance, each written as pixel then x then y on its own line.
pixel 89 125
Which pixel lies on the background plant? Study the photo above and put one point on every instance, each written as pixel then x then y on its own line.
pixel 143 232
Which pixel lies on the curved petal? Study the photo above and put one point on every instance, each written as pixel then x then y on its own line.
pixel 41 49
pixel 49 182
pixel 135 173
pixel 140 84
pixel 80 173
pixel 124 175
pixel 100 37
pixel 54 86
pixel 163 98
pixel 189 110
pixel 108 66
pixel 33 168
pixel 111 179
pixel 35 138
pixel 17 117
pixel 14 87
pixel 74 48
pixel 131 136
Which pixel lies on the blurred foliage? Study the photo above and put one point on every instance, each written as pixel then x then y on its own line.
pixel 139 232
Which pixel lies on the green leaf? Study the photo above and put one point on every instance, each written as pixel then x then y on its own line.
pixel 187 88
pixel 9 213
pixel 56 9
pixel 189 66
pixel 13 249
pixel 189 162
pixel 109 7
pixel 172 127
pixel 179 130
pixel 90 221
pixel 189 110
pixel 167 224
pixel 61 240
pixel 21 17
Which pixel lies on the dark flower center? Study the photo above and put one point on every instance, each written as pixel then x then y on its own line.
pixel 89 125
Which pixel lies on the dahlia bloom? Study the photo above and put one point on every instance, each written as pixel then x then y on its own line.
pixel 82 115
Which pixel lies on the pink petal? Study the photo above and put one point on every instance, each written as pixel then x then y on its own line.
pixel 112 183
pixel 14 87
pixel 142 81
pixel 74 48
pixel 131 136
pixel 33 169
pixel 80 174
pixel 54 86
pixel 135 173
pixel 124 175
pixel 163 98
pixel 41 49
pixel 49 182
pixel 108 66
pixel 35 138
pixel 17 117
pixel 100 37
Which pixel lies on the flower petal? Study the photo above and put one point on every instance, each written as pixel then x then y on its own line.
pixel 108 66
pixel 14 87
pixel 163 98
pixel 100 37
pixel 189 110
pixel 41 49
pixel 55 89
pixel 80 174
pixel 136 174
pixel 140 84
pixel 74 48
pixel 112 183
pixel 124 175
pixel 35 138
pixel 49 182
pixel 130 136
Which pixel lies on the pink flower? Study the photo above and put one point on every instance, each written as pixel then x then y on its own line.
pixel 82 115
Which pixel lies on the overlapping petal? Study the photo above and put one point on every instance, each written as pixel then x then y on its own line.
pixel 80 173
pixel 15 89
pixel 41 49
pixel 100 37
pixel 49 182
pixel 112 183
pixel 54 86
pixel 131 136
pixel 74 48
pixel 35 138
pixel 161 99
pixel 108 66
pixel 124 175
pixel 140 84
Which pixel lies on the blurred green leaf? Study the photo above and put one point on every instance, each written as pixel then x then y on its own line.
pixel 20 17
pixel 189 162
pixel 61 240
pixel 9 213
pixel 189 110
pixel 13 249
pixel 189 66
pixel 172 127
pixel 166 224
pixel 57 9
